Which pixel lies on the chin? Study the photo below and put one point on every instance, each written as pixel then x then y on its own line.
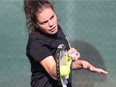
pixel 53 32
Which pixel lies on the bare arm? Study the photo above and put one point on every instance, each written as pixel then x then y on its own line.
pixel 50 66
pixel 82 64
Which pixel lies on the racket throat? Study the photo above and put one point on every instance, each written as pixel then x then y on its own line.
pixel 64 82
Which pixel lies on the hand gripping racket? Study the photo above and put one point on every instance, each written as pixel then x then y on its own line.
pixel 62 59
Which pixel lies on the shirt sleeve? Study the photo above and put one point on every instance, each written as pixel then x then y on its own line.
pixel 38 51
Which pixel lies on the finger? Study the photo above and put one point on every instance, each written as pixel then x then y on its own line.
pixel 93 69
pixel 103 72
pixel 77 56
pixel 73 55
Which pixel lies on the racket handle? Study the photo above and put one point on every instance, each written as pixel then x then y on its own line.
pixel 64 82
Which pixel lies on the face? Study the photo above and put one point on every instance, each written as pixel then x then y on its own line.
pixel 47 21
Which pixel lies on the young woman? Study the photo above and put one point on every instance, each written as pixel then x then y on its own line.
pixel 45 35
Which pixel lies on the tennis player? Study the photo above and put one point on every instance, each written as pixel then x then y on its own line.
pixel 45 35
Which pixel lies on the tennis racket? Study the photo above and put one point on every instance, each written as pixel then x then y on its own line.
pixel 62 58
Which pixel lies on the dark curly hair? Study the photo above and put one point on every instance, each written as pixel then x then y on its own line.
pixel 31 8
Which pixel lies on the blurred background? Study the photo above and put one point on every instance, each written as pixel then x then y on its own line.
pixel 90 26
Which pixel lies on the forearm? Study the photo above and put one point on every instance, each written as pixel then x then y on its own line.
pixel 49 65
pixel 77 64
pixel 53 73
pixel 82 64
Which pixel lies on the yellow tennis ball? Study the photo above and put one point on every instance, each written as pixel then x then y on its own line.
pixel 64 70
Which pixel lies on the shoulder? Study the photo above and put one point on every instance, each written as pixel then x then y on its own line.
pixel 33 36
pixel 60 32
pixel 38 39
pixel 60 29
pixel 37 36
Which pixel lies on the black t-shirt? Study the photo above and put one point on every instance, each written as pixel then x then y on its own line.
pixel 40 46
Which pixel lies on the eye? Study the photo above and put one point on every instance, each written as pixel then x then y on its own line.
pixel 52 17
pixel 44 22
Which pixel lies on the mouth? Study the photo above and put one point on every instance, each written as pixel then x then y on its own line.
pixel 53 29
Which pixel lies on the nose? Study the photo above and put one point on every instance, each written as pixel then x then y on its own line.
pixel 50 23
